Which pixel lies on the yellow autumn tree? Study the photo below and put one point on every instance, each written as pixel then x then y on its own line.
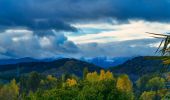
pixel 9 91
pixel 92 77
pixel 105 75
pixel 102 75
pixel 124 83
pixel 71 82
pixel 109 75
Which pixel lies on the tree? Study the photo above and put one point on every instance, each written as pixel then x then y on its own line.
pixel 102 75
pixel 71 82
pixel 166 96
pixel 125 87
pixel 124 83
pixel 105 75
pixel 85 72
pixel 156 83
pixel 141 83
pixel 51 78
pixel 92 77
pixel 63 78
pixel 33 81
pixel 9 91
pixel 168 76
pixel 59 94
pixel 119 95
pixel 90 93
pixel 109 75
pixel 23 84
pixel 151 95
pixel 49 82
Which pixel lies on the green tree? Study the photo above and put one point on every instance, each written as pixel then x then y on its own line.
pixel 141 84
pixel 33 81
pixel 59 94
pixel 156 83
pixel 49 82
pixel 151 95
pixel 90 93
pixel 85 72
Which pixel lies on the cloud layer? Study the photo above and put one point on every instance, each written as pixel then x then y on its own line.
pixel 141 47
pixel 23 43
pixel 60 14
pixel 75 28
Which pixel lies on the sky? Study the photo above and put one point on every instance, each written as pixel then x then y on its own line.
pixel 81 28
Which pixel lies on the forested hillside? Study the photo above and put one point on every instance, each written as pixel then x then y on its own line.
pixel 56 68
pixel 93 86
pixel 140 66
pixel 65 79
pixel 135 67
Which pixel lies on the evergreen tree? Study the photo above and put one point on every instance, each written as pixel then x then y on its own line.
pixel 85 72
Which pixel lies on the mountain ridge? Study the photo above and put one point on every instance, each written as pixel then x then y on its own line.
pixel 140 66
pixel 106 62
pixel 56 68
pixel 135 67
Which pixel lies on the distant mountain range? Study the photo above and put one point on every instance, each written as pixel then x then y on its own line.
pixel 106 62
pixel 134 67
pixel 103 62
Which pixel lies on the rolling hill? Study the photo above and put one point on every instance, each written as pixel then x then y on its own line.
pixel 56 68
pixel 139 66
pixel 135 67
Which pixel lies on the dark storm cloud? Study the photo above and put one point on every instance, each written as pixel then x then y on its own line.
pixel 59 14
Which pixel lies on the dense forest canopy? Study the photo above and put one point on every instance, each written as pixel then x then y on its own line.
pixel 104 85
